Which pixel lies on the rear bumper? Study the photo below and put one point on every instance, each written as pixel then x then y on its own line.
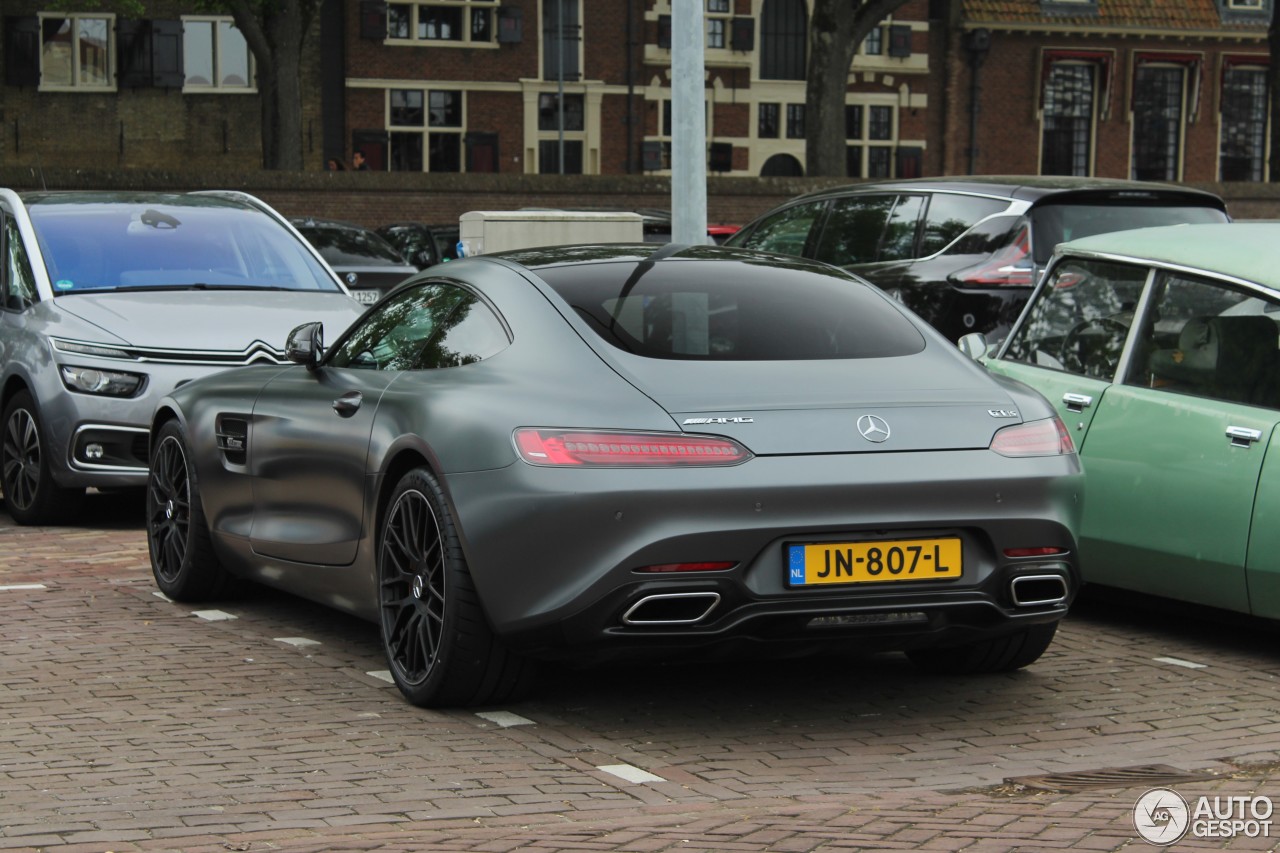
pixel 554 553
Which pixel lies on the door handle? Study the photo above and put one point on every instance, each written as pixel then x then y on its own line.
pixel 348 403
pixel 1076 402
pixel 1243 436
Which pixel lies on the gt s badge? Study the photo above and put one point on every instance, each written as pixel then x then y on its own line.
pixel 688 421
pixel 1002 413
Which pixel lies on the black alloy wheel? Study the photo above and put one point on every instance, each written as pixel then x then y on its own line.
pixel 182 559
pixel 438 642
pixel 30 494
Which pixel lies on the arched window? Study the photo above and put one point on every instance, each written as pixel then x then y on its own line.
pixel 782 166
pixel 784 27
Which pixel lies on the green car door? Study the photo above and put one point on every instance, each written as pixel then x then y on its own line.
pixel 1166 382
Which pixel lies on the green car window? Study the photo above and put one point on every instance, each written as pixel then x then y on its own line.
pixel 1078 321
pixel 786 231
pixel 1208 339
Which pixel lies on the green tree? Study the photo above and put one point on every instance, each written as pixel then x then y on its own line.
pixel 836 28
pixel 276 32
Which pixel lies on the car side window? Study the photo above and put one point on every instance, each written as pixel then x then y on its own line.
pixel 786 232
pixel 854 229
pixel 950 215
pixel 19 283
pixel 899 240
pixel 437 324
pixel 1079 320
pixel 1209 340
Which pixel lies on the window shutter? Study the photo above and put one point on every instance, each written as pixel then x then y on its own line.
pixel 510 25
pixel 651 156
pixel 743 35
pixel 899 40
pixel 373 19
pixel 166 55
pixel 664 32
pixel 133 54
pixel 22 51
pixel 721 157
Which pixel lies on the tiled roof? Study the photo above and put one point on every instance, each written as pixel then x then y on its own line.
pixel 1127 14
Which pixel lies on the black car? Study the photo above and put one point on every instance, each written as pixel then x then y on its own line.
pixel 964 253
pixel 420 244
pixel 369 265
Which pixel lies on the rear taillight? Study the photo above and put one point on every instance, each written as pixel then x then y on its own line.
pixel 1009 267
pixel 1048 437
pixel 602 449
pixel 706 566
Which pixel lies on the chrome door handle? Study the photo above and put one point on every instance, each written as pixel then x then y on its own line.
pixel 1243 436
pixel 348 403
pixel 1076 402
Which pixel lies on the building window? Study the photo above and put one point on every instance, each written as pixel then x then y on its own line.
pixel 573 113
pixel 873 44
pixel 718 23
pixel 1159 96
pixel 871 133
pixel 1242 154
pixel 767 121
pixel 215 55
pixel 795 121
pixel 784 26
pixel 1245 5
pixel 561 40
pixel 425 129
pixel 443 22
pixel 76 52
pixel 1067 121
pixel 549 156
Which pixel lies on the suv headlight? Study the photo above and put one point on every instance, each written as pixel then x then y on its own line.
pixel 109 383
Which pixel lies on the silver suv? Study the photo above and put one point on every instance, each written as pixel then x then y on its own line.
pixel 108 301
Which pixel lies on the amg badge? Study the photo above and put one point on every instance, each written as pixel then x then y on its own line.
pixel 688 421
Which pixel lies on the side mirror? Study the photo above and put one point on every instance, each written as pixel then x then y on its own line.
pixel 305 345
pixel 973 345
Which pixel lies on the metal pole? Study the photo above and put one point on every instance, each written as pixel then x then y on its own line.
pixel 689 124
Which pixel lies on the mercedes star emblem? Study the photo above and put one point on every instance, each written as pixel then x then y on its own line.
pixel 873 428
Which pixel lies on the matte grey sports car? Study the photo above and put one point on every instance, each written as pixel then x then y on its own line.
pixel 607 450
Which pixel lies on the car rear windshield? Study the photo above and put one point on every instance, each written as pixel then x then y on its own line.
pixel 1058 223
pixel 97 246
pixel 715 310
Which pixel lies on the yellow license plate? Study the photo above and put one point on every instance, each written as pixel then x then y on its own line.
pixel 873 562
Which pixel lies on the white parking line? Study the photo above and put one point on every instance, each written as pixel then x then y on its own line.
pixel 299 642
pixel 631 774
pixel 382 675
pixel 505 719
pixel 213 615
pixel 1183 663
pixel 18 587
pixel 162 596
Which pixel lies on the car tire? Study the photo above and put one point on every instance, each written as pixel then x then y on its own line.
pixel 439 645
pixel 999 654
pixel 182 558
pixel 30 494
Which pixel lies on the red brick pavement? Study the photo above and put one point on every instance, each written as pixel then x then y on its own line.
pixel 129 724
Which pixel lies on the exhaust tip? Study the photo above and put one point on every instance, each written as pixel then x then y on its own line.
pixel 1038 590
pixel 672 608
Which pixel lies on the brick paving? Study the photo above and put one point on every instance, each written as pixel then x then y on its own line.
pixel 128 723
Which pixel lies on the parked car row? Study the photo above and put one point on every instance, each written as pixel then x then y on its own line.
pixel 609 451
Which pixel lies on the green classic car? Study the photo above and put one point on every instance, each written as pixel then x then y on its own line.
pixel 1160 348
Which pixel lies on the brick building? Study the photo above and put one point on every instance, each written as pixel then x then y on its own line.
pixel 1172 90
pixel 1167 89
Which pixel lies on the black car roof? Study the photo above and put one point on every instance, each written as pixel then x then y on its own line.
pixel 1021 187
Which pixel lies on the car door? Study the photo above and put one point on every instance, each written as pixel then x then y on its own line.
pixel 872 234
pixel 308 450
pixel 1174 454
